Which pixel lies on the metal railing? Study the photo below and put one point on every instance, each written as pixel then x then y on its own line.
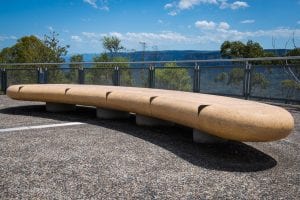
pixel 273 78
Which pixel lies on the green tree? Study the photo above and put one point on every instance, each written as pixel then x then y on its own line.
pixel 6 55
pixel 173 77
pixel 103 73
pixel 73 73
pixel 289 87
pixel 259 81
pixel 76 58
pixel 294 71
pixel 28 49
pixel 234 49
pixel 56 52
pixel 236 76
pixel 237 49
pixel 112 44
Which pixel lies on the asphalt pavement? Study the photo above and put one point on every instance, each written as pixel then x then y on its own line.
pixel 88 158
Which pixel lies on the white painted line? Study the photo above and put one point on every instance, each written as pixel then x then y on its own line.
pixel 39 127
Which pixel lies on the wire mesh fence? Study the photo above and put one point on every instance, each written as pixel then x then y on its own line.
pixel 99 76
pixel 24 76
pixel 134 77
pixel 261 78
pixel 174 78
pixel 1 82
pixel 222 80
pixel 275 82
pixel 62 75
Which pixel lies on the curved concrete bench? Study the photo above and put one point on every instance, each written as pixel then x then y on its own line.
pixel 224 117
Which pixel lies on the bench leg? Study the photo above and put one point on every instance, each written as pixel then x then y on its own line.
pixel 201 137
pixel 59 107
pixel 103 113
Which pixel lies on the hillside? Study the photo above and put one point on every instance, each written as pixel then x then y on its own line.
pixel 170 55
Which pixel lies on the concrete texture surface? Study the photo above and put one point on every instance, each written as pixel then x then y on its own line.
pixel 225 117
pixel 109 159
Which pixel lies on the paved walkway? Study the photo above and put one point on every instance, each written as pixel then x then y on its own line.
pixel 74 155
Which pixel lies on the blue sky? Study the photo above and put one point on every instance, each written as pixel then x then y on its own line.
pixel 162 24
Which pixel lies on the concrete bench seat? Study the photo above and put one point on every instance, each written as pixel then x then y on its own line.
pixel 223 117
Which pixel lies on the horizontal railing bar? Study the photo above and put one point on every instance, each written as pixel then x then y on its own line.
pixel 100 68
pixel 160 62
pixel 223 94
pixel 65 68
pixel 275 99
pixel 25 69
pixel 164 68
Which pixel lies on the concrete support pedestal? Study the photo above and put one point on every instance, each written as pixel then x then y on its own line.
pixel 201 137
pixel 60 107
pixel 149 121
pixel 111 114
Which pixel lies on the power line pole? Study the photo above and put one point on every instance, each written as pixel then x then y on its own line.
pixel 155 49
pixel 144 44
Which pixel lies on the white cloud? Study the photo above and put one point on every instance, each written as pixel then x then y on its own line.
pixel 135 37
pixel 220 35
pixel 3 38
pixel 50 28
pixel 160 21
pixel 188 4
pixel 248 21
pixel 224 25
pixel 205 25
pixel 173 13
pixel 210 25
pixel 116 34
pixel 175 7
pixel 239 4
pixel 165 36
pixel 179 5
pixel 98 4
pixel 93 3
pixel 90 34
pixel 169 39
pixel 219 32
pixel 76 38
pixel 168 6
pixel 234 6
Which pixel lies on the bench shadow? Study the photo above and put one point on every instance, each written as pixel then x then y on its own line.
pixel 229 156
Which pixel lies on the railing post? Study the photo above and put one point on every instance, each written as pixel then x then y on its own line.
pixel 80 75
pixel 40 75
pixel 247 80
pixel 151 77
pixel 3 80
pixel 196 84
pixel 45 72
pixel 116 76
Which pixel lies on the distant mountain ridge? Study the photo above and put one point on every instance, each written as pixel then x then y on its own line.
pixel 169 55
